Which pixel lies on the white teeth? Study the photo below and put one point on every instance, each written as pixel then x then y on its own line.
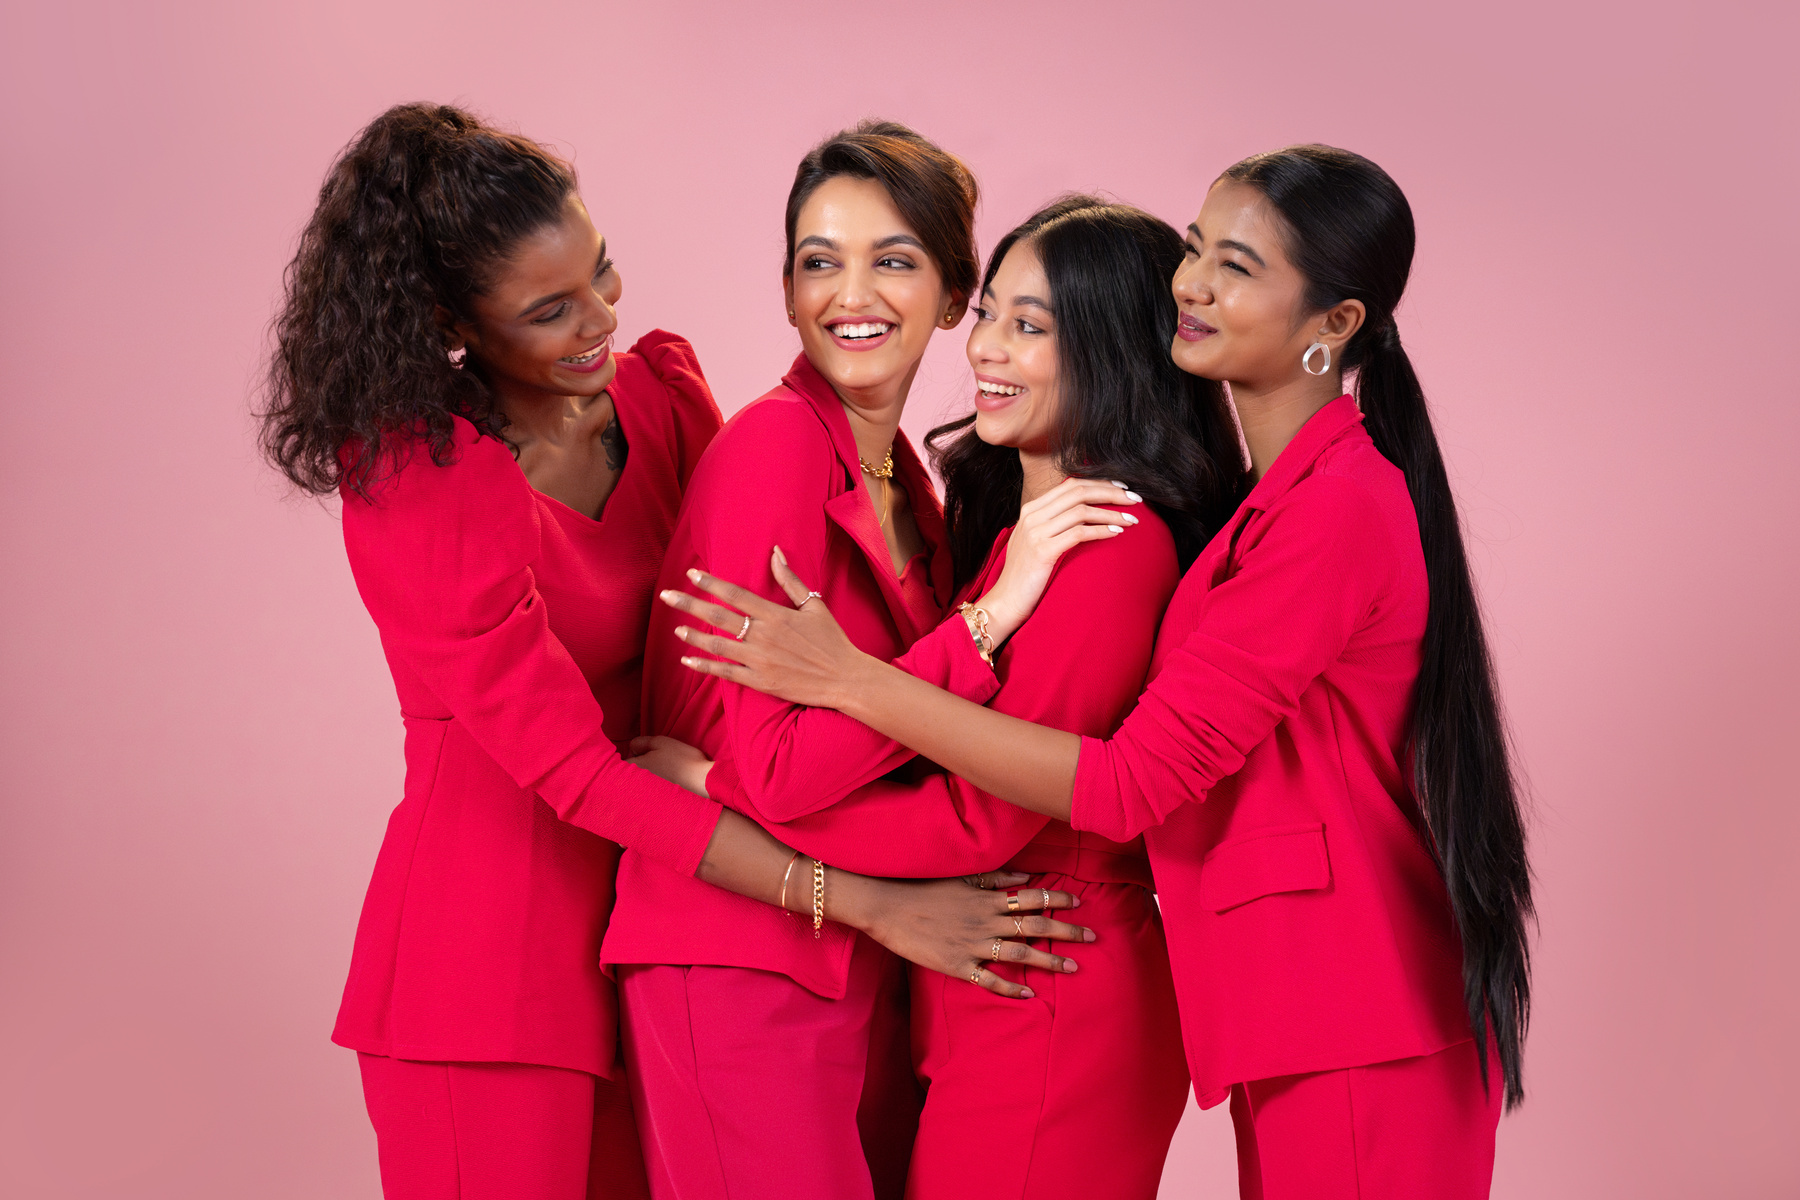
pixel 997 389
pixel 867 330
pixel 581 360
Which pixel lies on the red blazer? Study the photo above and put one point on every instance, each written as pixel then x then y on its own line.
pixel 1077 664
pixel 1308 925
pixel 514 627
pixel 784 471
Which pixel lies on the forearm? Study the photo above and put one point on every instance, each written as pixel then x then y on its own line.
pixel 1029 765
pixel 744 858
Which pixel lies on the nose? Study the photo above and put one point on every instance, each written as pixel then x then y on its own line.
pixel 597 316
pixel 1191 283
pixel 856 286
pixel 984 346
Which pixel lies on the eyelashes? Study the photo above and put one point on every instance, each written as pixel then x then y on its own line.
pixel 562 309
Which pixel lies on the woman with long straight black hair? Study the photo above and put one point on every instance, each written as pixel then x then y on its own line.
pixel 1319 765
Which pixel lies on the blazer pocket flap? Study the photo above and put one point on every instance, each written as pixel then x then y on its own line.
pixel 1287 858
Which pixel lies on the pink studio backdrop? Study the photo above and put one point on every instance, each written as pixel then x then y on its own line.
pixel 198 739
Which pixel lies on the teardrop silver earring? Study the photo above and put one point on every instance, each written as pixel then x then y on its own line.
pixel 1306 364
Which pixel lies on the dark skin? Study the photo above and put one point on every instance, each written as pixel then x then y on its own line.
pixel 1243 298
pixel 540 337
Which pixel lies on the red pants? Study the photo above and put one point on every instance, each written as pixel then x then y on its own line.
pixel 748 1086
pixel 1415 1127
pixel 1075 1093
pixel 500 1131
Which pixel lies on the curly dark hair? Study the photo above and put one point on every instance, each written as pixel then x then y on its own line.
pixel 1127 412
pixel 418 211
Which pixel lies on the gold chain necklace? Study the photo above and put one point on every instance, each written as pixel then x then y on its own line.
pixel 884 473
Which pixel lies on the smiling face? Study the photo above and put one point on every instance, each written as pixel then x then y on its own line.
pixel 1243 314
pixel 863 293
pixel 546 322
pixel 1012 349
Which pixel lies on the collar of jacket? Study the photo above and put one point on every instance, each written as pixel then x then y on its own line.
pixel 1297 457
pixel 852 511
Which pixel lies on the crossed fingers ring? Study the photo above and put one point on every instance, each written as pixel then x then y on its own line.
pixel 1019 924
pixel 746 629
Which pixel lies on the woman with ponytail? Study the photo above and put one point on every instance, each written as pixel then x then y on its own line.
pixel 1319 765
pixel 444 364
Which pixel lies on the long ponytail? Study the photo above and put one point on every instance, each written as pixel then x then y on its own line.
pixel 414 215
pixel 1351 235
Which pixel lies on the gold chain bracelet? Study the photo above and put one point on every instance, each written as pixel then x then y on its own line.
pixel 785 876
pixel 818 897
pixel 977 619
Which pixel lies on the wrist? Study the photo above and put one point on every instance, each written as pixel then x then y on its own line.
pixel 1004 617
pixel 852 899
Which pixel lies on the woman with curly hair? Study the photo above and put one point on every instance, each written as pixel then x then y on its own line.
pixel 444 363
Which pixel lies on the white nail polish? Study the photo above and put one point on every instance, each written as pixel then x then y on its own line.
pixel 694 574
pixel 1116 528
pixel 1135 498
pixel 1128 518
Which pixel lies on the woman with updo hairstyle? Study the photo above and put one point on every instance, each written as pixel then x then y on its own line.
pixel 1071 379
pixel 444 363
pixel 1319 766
pixel 768 1055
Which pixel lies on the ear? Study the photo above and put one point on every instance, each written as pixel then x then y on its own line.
pixel 455 333
pixel 1339 323
pixel 954 308
pixel 787 296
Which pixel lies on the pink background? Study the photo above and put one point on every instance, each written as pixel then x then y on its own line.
pixel 198 739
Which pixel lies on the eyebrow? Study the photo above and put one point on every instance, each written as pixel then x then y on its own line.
pixel 896 239
pixel 543 300
pixel 987 293
pixel 1227 244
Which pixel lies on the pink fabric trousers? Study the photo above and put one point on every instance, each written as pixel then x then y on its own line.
pixel 500 1131
pixel 748 1086
pixel 1075 1093
pixel 1415 1127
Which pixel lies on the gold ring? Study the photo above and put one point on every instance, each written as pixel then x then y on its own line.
pixel 998 942
pixel 809 596
pixel 746 629
pixel 1018 924
pixel 1012 901
pixel 1046 891
pixel 975 975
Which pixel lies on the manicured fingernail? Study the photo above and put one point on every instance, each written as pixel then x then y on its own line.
pixel 1088 935
pixel 694 574
pixel 681 631
pixel 688 662
pixel 1116 483
pixel 1135 498
pixel 1077 903
pixel 1116 528
pixel 1027 994
pixel 1128 518
pixel 1070 966
pixel 781 556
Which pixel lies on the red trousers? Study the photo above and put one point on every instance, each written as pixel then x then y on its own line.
pixel 1075 1093
pixel 500 1131
pixel 1415 1127
pixel 748 1086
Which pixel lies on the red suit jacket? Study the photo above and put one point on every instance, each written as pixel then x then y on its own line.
pixel 1308 925
pixel 514 627
pixel 1077 664
pixel 784 471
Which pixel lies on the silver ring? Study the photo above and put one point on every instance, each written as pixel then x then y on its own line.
pixel 1046 891
pixel 746 629
pixel 809 596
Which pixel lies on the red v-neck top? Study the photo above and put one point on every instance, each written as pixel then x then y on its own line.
pixel 514 628
pixel 784 471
